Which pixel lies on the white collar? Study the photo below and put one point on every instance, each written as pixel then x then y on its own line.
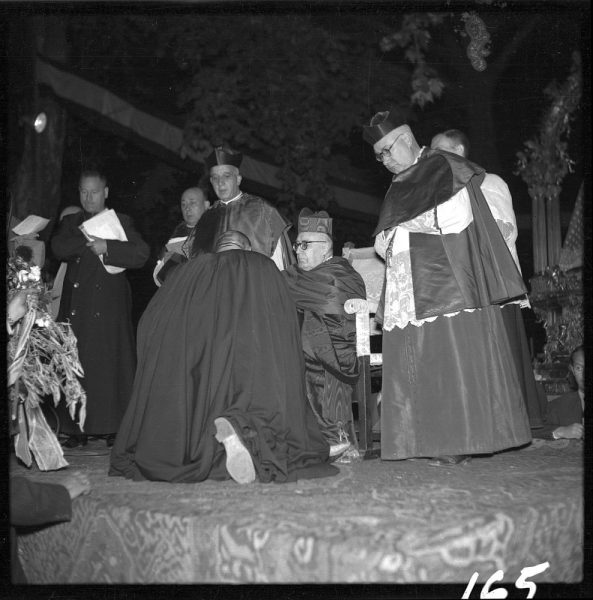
pixel 232 199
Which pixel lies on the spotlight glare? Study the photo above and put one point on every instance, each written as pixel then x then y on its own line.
pixel 40 122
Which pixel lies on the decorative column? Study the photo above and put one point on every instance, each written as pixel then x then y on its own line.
pixel 556 293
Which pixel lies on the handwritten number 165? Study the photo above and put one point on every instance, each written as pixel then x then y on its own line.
pixel 497 593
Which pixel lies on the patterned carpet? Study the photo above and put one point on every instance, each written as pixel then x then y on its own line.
pixel 376 522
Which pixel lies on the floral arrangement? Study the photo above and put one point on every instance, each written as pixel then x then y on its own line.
pixel 42 361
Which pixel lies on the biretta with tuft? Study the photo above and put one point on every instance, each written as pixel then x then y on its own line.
pixel 381 124
pixel 319 222
pixel 224 156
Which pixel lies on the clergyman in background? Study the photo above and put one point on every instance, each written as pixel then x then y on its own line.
pixel 253 216
pixel 178 249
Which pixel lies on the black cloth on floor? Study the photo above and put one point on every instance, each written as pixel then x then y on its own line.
pixel 220 339
pixel 34 504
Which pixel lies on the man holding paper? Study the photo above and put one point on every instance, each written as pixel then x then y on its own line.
pixel 99 245
pixel 178 249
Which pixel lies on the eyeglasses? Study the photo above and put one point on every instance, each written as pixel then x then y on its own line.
pixel 305 244
pixel 386 152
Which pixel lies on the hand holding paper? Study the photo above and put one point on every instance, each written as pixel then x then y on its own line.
pixel 176 244
pixel 101 227
pixel 97 245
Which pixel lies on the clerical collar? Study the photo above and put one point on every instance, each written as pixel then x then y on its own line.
pixel 232 199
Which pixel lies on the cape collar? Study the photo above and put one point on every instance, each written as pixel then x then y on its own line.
pixel 233 199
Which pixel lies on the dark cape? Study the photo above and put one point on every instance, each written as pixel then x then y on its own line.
pixel 98 305
pixel 452 272
pixel 34 504
pixel 220 339
pixel 252 216
pixel 329 340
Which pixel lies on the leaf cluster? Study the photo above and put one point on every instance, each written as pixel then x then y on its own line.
pixel 288 88
pixel 545 161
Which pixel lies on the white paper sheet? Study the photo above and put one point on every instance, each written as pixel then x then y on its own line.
pixel 32 224
pixel 106 225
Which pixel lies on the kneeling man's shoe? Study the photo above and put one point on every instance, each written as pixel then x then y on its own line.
pixel 336 449
pixel 239 463
pixel 349 456
pixel 450 460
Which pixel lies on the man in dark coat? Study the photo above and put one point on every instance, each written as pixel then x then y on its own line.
pixel 98 305
pixel 450 385
pixel 179 247
pixel 320 285
pixel 265 227
pixel 219 391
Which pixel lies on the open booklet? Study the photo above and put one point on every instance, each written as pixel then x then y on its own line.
pixel 176 244
pixel 105 225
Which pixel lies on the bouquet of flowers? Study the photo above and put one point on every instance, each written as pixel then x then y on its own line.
pixel 42 361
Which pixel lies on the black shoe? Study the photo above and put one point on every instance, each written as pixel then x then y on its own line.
pixel 449 461
pixel 74 441
pixel 110 439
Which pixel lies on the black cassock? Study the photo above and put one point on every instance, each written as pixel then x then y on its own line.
pixel 98 304
pixel 329 340
pixel 220 338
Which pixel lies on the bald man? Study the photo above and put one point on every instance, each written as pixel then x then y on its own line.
pixel 232 240
pixel 178 249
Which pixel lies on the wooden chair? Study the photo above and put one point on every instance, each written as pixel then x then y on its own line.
pixel 372 270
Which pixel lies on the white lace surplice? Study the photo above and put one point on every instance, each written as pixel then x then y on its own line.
pixel 454 216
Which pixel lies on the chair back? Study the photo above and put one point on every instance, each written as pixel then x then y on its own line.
pixel 372 270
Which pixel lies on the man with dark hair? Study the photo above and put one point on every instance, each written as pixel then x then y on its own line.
pixel 96 299
pixel 450 387
pixel 320 285
pixel 266 229
pixel 499 199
